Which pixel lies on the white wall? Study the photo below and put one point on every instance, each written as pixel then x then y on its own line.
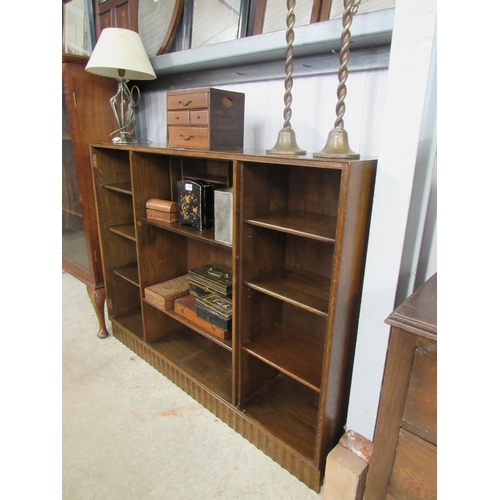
pixel 313 111
pixel 390 114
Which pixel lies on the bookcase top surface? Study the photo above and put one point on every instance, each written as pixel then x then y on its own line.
pixel 239 155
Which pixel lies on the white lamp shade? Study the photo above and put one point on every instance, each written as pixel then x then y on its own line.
pixel 119 48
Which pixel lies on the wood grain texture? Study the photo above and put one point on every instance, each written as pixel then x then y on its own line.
pixel 300 229
pixel 403 463
pixel 414 475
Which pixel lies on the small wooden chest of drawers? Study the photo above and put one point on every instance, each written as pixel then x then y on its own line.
pixel 205 118
pixel 404 459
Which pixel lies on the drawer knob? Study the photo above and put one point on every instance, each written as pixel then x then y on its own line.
pixel 187 138
pixel 182 103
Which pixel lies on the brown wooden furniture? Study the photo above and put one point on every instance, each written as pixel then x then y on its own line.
pixel 205 118
pixel 86 117
pixel 403 464
pixel 300 231
pixel 116 14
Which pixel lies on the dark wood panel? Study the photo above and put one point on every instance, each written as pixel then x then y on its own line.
pixel 131 321
pixel 420 414
pixel 207 362
pixel 121 187
pixel 390 411
pixel 354 210
pixel 306 290
pixel 292 352
pixel 414 476
pixel 129 272
pixel 206 236
pixel 308 224
pixel 125 230
pixel 287 409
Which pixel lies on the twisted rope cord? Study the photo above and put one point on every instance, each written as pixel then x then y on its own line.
pixel 344 59
pixel 290 36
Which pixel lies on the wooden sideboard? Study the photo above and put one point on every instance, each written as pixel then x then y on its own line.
pixel 300 230
pixel 404 460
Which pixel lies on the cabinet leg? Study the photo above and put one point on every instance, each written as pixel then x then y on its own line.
pixel 97 297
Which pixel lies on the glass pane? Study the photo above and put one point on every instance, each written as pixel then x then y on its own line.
pixel 154 20
pixel 73 236
pixel 365 6
pixel 75 29
pixel 276 11
pixel 215 21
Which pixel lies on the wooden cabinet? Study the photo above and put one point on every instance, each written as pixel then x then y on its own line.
pixel 205 118
pixel 86 117
pixel 300 228
pixel 404 460
pixel 116 14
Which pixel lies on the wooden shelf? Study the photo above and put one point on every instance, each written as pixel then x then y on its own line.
pixel 292 352
pixel 226 344
pixel 289 410
pixel 200 358
pixel 266 381
pixel 207 236
pixel 132 321
pixel 120 187
pixel 125 230
pixel 307 224
pixel 129 272
pixel 302 289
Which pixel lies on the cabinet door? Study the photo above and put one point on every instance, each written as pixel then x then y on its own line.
pixel 116 14
pixel 74 247
pixel 87 117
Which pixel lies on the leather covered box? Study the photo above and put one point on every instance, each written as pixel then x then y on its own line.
pixel 205 118
pixel 215 309
pixel 161 210
pixel 186 307
pixel 212 278
pixel 162 295
pixel 195 199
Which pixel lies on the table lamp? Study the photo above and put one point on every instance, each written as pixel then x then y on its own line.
pixel 120 54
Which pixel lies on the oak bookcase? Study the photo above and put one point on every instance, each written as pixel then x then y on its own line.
pixel 300 229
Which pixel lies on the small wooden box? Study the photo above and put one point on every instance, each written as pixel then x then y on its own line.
pixel 162 295
pixel 186 307
pixel 205 118
pixel 161 210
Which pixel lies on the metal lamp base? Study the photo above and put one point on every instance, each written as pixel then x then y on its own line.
pixel 286 144
pixel 123 139
pixel 337 146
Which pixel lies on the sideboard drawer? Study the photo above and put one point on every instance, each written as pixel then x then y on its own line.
pixel 188 137
pixel 187 101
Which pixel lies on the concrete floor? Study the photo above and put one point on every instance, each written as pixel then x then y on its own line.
pixel 128 433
